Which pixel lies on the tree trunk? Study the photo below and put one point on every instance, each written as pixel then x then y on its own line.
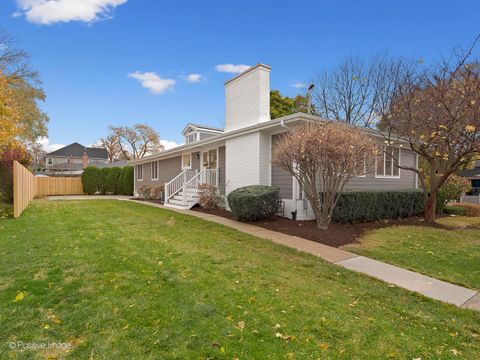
pixel 322 224
pixel 430 207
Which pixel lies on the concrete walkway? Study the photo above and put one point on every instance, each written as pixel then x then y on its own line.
pixel 425 285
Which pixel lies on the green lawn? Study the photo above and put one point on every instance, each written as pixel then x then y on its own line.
pixel 120 280
pixel 6 210
pixel 452 255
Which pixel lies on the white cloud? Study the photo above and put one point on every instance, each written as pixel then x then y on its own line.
pixel 45 142
pixel 153 82
pixel 194 78
pixel 231 68
pixel 298 85
pixel 47 12
pixel 169 144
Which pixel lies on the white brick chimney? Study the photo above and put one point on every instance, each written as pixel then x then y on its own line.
pixel 247 98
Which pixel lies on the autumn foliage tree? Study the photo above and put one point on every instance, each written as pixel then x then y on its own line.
pixel 438 113
pixel 21 120
pixel 323 157
pixel 136 141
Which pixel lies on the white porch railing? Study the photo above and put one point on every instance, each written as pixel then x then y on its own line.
pixel 187 182
pixel 177 183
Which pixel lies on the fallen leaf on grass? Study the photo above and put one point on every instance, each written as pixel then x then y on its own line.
pixel 20 296
pixel 323 346
pixel 284 336
pixel 455 352
pixel 241 325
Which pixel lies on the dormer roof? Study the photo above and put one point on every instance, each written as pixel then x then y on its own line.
pixel 197 127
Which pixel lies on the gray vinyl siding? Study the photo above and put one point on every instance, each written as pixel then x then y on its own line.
pixel 281 178
pixel 221 169
pixel 204 136
pixel 370 182
pixel 167 170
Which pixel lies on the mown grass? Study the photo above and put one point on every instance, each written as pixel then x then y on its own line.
pixel 121 280
pixel 448 254
pixel 6 210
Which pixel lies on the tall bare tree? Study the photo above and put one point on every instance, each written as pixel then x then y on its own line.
pixel 136 141
pixel 323 158
pixel 359 91
pixel 111 144
pixel 438 114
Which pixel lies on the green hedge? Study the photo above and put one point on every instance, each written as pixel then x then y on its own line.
pixel 103 180
pixel 254 202
pixel 91 179
pixel 357 206
pixel 455 210
pixel 127 180
pixel 111 180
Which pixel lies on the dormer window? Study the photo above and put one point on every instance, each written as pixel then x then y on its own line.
pixel 191 137
pixel 193 132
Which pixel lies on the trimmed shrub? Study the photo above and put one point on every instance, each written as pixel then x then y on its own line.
pixel 358 206
pixel 463 209
pixel 111 180
pixel 120 183
pixel 156 192
pixel 207 196
pixel 254 202
pixel 91 179
pixel 144 192
pixel 127 180
pixel 103 180
pixel 455 210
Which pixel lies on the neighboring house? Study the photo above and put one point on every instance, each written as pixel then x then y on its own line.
pixel 240 154
pixel 474 176
pixel 72 159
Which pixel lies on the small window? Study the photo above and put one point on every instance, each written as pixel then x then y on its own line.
pixel 50 161
pixel 387 162
pixel 191 137
pixel 139 172
pixel 187 161
pixel 155 170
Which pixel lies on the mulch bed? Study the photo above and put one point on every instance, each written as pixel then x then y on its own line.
pixel 336 235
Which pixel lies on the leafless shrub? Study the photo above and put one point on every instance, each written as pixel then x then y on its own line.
pixel 323 158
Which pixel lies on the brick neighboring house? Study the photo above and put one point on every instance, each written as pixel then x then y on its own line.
pixel 240 154
pixel 72 159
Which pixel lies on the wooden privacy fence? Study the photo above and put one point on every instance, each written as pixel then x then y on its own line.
pixel 58 186
pixel 23 188
pixel 26 187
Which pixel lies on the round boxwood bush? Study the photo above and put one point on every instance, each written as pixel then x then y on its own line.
pixel 127 180
pixel 111 180
pixel 90 179
pixel 254 202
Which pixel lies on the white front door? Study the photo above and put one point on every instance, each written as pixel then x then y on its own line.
pixel 209 159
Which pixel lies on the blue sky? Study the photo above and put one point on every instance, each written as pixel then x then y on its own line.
pixel 85 54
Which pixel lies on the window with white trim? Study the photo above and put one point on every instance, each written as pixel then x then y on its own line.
pixel 50 161
pixel 186 161
pixel 362 168
pixel 387 162
pixel 191 137
pixel 154 170
pixel 139 171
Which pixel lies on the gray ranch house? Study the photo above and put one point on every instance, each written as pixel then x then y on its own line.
pixel 240 154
